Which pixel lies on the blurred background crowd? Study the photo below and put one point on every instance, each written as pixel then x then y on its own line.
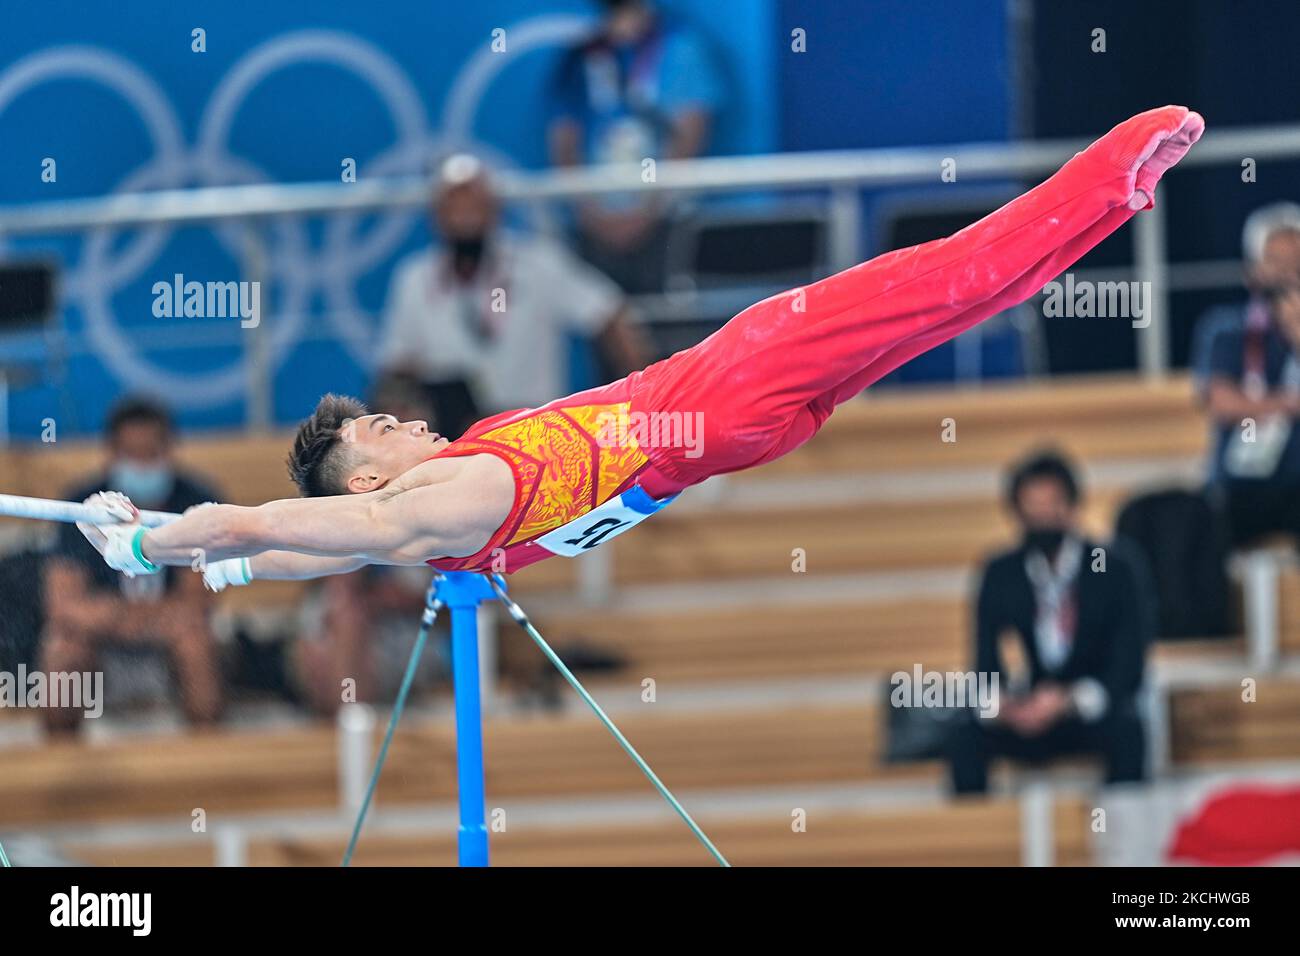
pixel 1176 465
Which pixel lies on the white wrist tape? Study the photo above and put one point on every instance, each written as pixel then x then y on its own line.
pixel 123 551
pixel 232 572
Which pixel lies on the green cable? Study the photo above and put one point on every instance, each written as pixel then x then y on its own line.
pixel 431 608
pixel 521 619
pixel 3 858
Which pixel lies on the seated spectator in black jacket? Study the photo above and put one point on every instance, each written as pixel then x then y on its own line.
pixel 89 606
pixel 1082 616
pixel 1248 379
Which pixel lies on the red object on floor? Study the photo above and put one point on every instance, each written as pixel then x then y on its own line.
pixel 1240 827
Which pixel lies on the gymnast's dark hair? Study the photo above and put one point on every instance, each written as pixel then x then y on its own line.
pixel 319 461
pixel 1043 464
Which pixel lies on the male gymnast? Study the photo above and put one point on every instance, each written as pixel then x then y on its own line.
pixel 528 484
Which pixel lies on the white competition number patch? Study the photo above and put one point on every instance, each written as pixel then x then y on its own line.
pixel 602 523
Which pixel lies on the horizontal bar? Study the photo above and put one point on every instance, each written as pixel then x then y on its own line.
pixel 49 509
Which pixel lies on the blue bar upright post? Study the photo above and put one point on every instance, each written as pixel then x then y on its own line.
pixel 462 592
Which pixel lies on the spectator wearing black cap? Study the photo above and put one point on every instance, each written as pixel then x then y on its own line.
pixel 1082 615
pixel 89 607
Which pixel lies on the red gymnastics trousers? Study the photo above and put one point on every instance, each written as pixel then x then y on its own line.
pixel 764 383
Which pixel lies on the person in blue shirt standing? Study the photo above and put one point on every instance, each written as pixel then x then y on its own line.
pixel 1247 370
pixel 643 86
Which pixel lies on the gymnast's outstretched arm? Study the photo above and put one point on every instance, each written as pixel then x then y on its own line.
pixel 389 526
pixel 403 526
pixel 291 566
pixel 274 566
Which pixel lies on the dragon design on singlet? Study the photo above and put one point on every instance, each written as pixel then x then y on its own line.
pixel 564 463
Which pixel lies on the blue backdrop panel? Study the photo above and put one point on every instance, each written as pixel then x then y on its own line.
pixel 116 96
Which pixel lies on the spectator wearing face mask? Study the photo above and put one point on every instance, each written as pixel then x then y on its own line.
pixel 1081 614
pixel 1248 381
pixel 91 609
pixel 492 308
pixel 644 85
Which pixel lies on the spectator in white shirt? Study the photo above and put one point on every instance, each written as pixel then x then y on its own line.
pixel 492 307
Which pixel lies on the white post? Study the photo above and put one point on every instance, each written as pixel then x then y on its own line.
pixel 1037 833
pixel 1152 266
pixel 845 226
pixel 595 576
pixel 356 730
pixel 229 848
pixel 1260 582
pixel 1157 694
pixel 257 349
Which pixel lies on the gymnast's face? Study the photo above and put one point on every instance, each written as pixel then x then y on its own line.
pixel 385 448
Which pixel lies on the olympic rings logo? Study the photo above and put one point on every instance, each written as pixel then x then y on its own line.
pixel 299 272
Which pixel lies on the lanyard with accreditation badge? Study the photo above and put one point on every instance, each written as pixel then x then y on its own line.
pixel 1256 453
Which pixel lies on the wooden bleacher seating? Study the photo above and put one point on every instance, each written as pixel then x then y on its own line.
pixel 853 537
pixel 1289 612
pixel 746 642
pixel 736 748
pixel 985 833
pixel 1214 724
pixel 244 771
pixel 891 431
pixel 790 641
pixel 231 772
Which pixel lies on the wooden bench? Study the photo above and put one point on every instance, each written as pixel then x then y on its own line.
pixel 729 544
pixel 531 757
pixel 1211 725
pixel 969 833
pixel 1097 417
pixel 748 642
pixel 1289 611
pixel 534 757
